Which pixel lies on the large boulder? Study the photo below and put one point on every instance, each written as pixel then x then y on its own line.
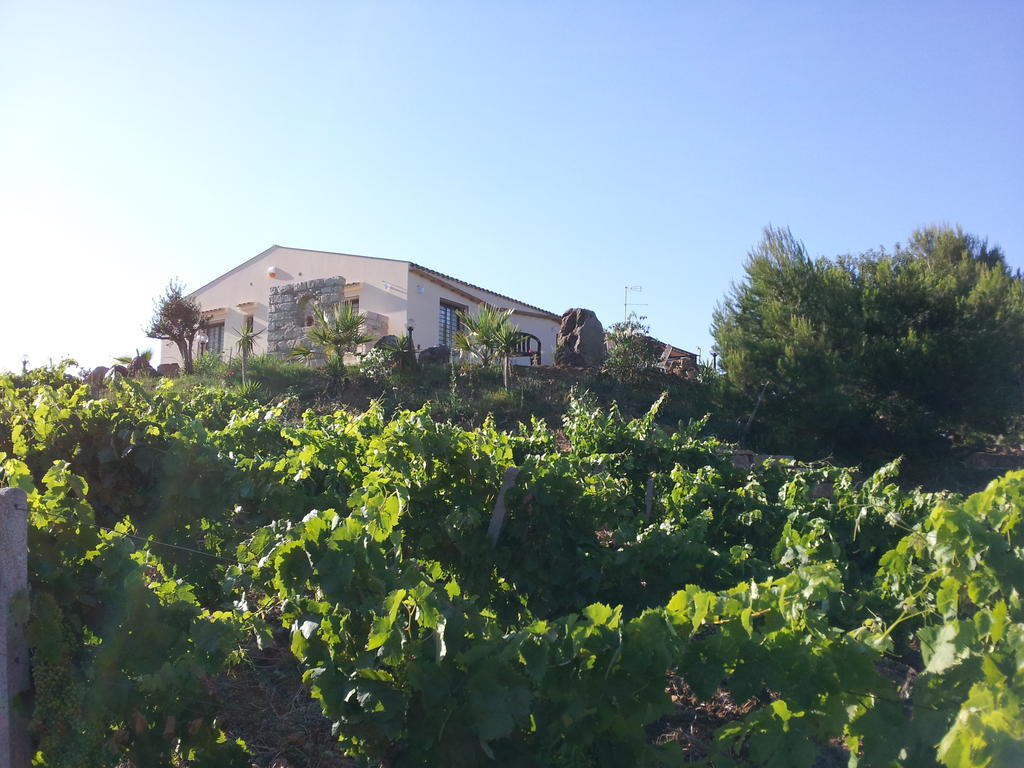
pixel 98 374
pixel 390 341
pixel 169 370
pixel 435 356
pixel 580 340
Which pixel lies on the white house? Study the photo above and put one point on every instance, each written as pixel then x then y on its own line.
pixel 272 292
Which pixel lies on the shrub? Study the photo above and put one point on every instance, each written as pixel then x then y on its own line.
pixel 633 355
pixel 278 376
pixel 378 364
pixel 875 355
pixel 209 364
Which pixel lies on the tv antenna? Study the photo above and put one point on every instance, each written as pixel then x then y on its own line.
pixel 626 303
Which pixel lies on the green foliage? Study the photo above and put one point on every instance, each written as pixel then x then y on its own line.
pixel 334 333
pixel 879 354
pixel 378 364
pixel 167 527
pixel 245 342
pixel 278 376
pixel 489 335
pixel 119 650
pixel 210 364
pixel 177 318
pixel 633 356
pixel 252 390
pixel 478 336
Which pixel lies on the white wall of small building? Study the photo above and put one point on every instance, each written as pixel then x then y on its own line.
pixel 386 287
pixel 246 290
pixel 426 295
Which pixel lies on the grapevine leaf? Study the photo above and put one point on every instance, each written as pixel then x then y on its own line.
pixel 381 628
pixel 939 647
pixel 745 615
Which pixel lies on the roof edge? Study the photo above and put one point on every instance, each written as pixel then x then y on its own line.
pixel 261 254
pixel 433 272
pixel 232 271
pixel 339 253
pixel 427 271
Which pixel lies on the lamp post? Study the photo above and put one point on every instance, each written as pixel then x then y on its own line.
pixel 410 323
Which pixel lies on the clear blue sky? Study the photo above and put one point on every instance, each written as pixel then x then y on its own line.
pixel 554 151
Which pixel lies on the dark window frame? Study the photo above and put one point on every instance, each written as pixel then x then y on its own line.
pixel 448 322
pixel 215 337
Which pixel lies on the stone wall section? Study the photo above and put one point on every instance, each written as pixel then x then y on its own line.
pixel 286 315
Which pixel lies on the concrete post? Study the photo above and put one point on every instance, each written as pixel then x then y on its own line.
pixel 14 663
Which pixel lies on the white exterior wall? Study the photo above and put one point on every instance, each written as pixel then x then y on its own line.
pixel 382 289
pixel 386 287
pixel 427 293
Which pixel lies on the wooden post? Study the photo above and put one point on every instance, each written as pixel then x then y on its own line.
pixel 499 512
pixel 14 663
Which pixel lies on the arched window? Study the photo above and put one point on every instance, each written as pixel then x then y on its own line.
pixel 306 311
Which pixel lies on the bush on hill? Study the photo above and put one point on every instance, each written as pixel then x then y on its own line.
pixel 873 356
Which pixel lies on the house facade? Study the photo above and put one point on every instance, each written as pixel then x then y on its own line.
pixel 273 293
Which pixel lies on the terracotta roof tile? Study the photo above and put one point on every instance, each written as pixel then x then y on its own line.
pixel 442 275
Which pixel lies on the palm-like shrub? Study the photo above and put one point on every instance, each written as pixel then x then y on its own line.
pixel 245 343
pixel 145 354
pixel 506 342
pixel 479 332
pixel 334 334
pixel 139 363
pixel 399 352
pixel 489 335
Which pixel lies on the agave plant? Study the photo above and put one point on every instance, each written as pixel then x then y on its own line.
pixel 252 390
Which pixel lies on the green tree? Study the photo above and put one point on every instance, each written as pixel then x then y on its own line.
pixel 875 354
pixel 177 318
pixel 633 355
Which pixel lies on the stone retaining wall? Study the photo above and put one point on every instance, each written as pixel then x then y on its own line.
pixel 286 318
